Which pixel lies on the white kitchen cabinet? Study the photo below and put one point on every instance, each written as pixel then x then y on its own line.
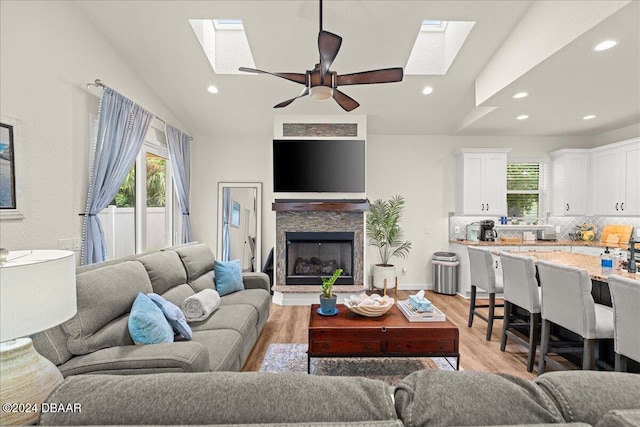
pixel 616 183
pixel 587 250
pixel 481 181
pixel 569 181
pixel 464 273
pixel 545 248
pixel 497 263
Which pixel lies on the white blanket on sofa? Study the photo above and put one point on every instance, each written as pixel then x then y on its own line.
pixel 200 306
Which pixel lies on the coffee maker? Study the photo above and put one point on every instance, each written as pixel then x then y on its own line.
pixel 487 232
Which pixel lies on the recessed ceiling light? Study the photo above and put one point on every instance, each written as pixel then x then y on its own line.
pixel 604 45
pixel 589 117
pixel 212 89
pixel 522 117
pixel 427 90
pixel 520 95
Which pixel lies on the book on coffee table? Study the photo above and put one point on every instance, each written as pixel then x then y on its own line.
pixel 413 315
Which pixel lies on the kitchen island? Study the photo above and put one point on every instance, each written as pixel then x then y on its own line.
pixel 569 250
pixel 600 287
pixel 558 253
pixel 590 263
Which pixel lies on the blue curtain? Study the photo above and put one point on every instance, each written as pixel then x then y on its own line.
pixel 122 125
pixel 226 209
pixel 180 156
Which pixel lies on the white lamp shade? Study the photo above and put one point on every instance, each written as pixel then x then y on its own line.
pixel 37 292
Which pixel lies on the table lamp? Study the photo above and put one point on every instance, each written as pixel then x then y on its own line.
pixel 37 292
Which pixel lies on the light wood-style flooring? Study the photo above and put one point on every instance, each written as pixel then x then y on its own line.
pixel 289 325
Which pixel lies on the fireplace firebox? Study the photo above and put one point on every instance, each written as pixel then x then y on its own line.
pixel 313 255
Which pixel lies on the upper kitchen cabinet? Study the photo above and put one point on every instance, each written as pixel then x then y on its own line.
pixel 616 180
pixel 481 181
pixel 569 181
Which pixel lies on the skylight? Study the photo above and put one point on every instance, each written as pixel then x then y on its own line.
pixel 225 44
pixel 436 46
pixel 431 25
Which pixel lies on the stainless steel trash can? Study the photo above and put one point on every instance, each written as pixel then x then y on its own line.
pixel 445 272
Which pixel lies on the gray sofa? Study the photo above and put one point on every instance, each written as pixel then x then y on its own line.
pixel 424 398
pixel 96 340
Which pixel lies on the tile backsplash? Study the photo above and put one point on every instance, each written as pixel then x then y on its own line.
pixel 567 224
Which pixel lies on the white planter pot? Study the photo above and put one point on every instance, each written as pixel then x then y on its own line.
pixel 382 272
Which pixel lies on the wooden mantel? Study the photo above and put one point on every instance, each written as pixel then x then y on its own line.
pixel 358 205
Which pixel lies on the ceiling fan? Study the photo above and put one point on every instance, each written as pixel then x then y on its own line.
pixel 321 83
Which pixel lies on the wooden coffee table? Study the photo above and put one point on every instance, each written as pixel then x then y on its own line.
pixel 348 334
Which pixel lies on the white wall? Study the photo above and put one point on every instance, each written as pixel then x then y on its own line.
pixel 421 168
pixel 49 53
pixel 622 134
pixel 230 159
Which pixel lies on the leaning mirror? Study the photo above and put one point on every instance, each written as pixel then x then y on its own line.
pixel 240 223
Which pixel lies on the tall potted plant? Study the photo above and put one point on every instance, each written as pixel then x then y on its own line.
pixel 327 298
pixel 385 233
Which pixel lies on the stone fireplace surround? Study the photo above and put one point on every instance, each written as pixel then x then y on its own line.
pixel 317 216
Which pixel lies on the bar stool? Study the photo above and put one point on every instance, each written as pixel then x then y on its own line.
pixel 521 289
pixel 567 302
pixel 625 295
pixel 483 276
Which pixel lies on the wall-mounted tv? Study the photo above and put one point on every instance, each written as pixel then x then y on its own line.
pixel 318 166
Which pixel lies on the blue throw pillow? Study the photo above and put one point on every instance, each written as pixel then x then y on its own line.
pixel 228 276
pixel 147 324
pixel 173 314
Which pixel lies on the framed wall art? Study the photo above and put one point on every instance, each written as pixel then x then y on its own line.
pixel 10 199
pixel 7 168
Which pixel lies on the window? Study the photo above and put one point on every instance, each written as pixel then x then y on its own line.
pixel 525 189
pixel 235 214
pixel 142 216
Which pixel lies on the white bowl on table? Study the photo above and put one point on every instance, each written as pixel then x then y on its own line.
pixel 369 306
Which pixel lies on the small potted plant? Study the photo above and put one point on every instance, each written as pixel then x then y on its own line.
pixel 385 233
pixel 327 298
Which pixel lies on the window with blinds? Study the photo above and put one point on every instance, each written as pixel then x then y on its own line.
pixel 524 189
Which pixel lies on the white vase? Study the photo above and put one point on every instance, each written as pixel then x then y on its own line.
pixel 27 379
pixel 382 272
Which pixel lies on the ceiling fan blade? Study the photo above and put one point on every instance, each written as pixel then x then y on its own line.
pixel 328 45
pixel 294 77
pixel 304 92
pixel 387 75
pixel 346 102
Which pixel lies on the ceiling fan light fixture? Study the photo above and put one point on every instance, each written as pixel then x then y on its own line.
pixel 320 93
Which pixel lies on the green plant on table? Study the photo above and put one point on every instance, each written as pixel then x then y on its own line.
pixel 327 283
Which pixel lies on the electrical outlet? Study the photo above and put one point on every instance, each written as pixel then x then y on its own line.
pixel 456 229
pixel 557 228
pixel 427 230
pixel 77 243
pixel 65 244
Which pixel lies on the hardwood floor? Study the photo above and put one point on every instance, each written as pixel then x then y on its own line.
pixel 289 325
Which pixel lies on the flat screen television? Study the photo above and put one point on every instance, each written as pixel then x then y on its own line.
pixel 318 166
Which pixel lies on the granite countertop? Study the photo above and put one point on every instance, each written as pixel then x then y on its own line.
pixel 590 263
pixel 591 243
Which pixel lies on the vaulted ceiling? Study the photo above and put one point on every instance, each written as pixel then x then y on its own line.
pixel 543 48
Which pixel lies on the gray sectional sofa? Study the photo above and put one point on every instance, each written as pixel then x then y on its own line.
pixel 424 398
pixel 97 341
